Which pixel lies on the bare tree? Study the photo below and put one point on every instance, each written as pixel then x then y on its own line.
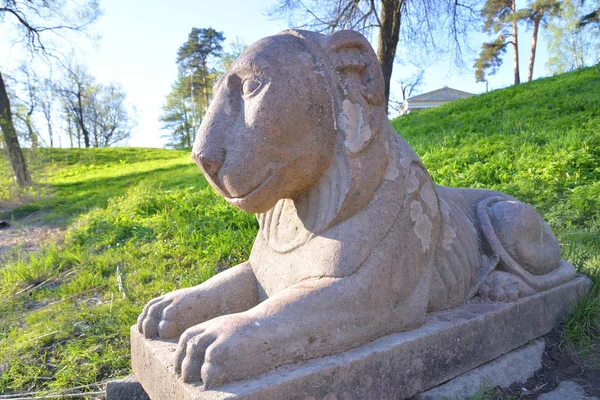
pixel 427 24
pixel 37 22
pixel 96 113
pixel 114 118
pixel 74 91
pixel 410 84
pixel 46 97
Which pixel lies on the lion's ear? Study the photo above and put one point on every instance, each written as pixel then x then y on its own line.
pixel 357 66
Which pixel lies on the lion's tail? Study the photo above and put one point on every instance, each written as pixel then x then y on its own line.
pixel 562 274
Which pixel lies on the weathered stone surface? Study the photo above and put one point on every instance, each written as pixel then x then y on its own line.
pixel 356 241
pixel 567 390
pixel 393 367
pixel 127 388
pixel 516 366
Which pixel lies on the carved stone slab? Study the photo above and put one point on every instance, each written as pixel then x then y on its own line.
pixel 393 367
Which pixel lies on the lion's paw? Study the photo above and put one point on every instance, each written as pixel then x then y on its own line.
pixel 502 286
pixel 169 315
pixel 214 352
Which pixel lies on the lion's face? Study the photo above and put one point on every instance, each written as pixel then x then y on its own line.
pixel 269 132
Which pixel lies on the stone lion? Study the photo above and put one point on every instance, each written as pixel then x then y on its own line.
pixel 356 241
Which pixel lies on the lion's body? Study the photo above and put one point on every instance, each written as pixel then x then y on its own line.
pixel 355 240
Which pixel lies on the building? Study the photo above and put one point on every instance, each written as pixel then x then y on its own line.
pixel 432 99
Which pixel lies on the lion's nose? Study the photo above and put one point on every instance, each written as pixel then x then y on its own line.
pixel 210 165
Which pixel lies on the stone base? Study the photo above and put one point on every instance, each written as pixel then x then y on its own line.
pixel 516 366
pixel 127 388
pixel 397 366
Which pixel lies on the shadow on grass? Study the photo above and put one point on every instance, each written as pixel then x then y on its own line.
pixel 70 200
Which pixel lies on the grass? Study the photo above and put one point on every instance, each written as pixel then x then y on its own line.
pixel 146 218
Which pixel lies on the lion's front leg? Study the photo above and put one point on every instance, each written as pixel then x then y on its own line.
pixel 314 318
pixel 231 291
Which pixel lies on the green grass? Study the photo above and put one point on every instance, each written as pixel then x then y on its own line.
pixel 146 217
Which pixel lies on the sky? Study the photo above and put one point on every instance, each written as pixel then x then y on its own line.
pixel 138 42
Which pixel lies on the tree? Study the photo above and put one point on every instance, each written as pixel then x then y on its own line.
pixel 35 20
pixel 177 116
pixel 590 18
pixel 236 48
pixel 424 23
pixel 490 58
pixel 75 90
pixel 195 57
pixel 113 120
pixel 46 98
pixel 97 113
pixel 570 46
pixel 25 105
pixel 501 18
pixel 11 141
pixel 201 60
pixel 410 84
pixel 535 14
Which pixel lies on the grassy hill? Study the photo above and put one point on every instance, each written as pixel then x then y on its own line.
pixel 141 222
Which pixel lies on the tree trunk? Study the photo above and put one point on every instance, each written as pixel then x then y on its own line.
pixel 536 27
pixel 389 33
pixel 84 131
pixel 32 135
pixel 50 133
pixel 11 141
pixel 205 83
pixel 515 43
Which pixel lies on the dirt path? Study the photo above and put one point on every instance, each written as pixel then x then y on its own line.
pixel 25 234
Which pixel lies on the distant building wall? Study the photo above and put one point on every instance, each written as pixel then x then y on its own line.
pixel 432 99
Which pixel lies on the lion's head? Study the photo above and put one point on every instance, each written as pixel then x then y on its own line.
pixel 283 114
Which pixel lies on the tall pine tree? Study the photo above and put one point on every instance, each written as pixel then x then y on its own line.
pixel 500 18
pixel 199 63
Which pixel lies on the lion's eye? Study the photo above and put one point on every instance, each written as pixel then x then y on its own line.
pixel 251 86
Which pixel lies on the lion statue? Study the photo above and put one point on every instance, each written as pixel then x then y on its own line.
pixel 356 241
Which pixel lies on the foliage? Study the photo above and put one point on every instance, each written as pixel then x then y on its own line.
pixel 500 18
pixel 571 46
pixel 190 95
pixel 177 117
pixel 490 58
pixel 592 17
pixel 236 48
pixel 146 217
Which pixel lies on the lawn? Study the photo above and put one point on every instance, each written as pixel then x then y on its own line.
pixel 141 222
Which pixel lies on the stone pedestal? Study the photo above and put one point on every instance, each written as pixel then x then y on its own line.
pixel 397 366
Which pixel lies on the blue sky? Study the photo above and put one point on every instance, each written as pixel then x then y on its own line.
pixel 139 41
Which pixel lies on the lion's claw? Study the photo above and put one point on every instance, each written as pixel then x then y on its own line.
pixel 161 315
pixel 204 349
